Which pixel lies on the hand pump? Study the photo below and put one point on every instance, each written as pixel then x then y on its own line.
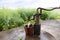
pixel 37 25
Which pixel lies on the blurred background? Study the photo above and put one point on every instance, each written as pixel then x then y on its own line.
pixel 15 13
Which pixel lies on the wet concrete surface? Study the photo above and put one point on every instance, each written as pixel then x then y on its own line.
pixel 44 36
pixel 51 29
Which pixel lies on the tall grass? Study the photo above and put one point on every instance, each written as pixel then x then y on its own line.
pixel 10 18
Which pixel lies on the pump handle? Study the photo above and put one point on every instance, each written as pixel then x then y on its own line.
pixel 48 9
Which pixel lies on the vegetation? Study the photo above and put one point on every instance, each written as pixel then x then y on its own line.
pixel 10 18
pixel 20 38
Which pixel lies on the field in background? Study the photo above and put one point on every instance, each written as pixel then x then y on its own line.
pixel 10 18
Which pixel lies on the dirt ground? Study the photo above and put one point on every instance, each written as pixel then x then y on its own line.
pixel 50 26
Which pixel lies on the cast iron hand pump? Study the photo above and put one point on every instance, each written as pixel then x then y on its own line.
pixel 37 25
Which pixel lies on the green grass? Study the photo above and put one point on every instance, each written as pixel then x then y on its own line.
pixel 20 38
pixel 10 18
